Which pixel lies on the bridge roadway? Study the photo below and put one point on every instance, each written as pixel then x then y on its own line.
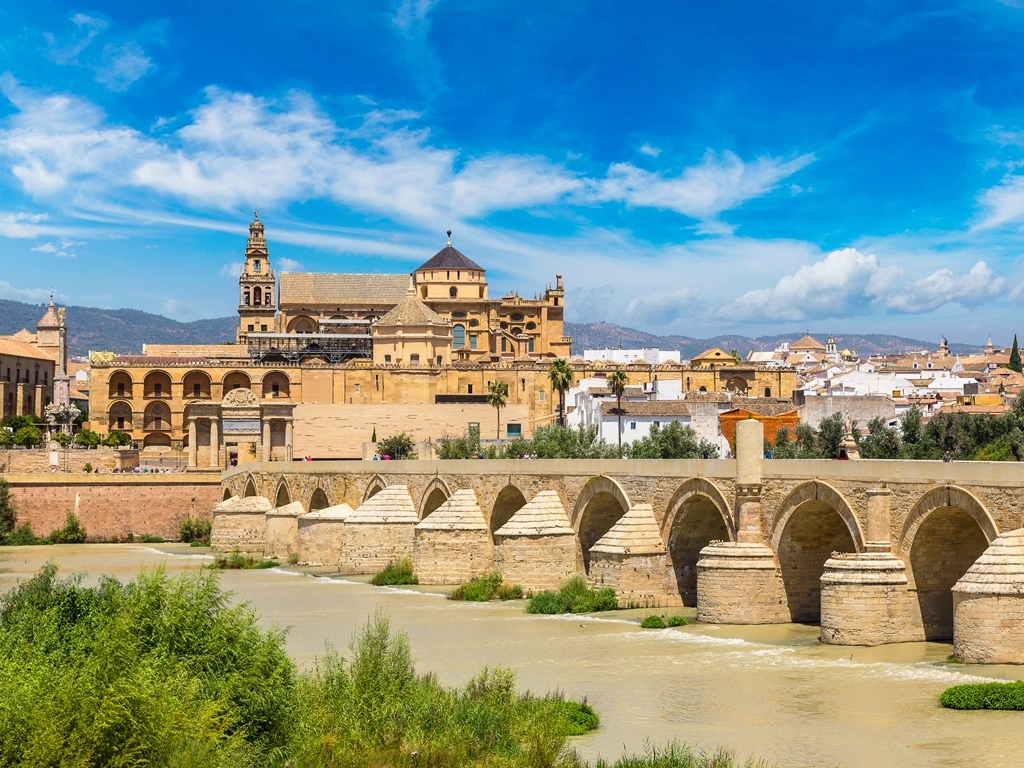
pixel 911 529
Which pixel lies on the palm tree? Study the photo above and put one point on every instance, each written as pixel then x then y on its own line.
pixel 618 380
pixel 497 397
pixel 562 377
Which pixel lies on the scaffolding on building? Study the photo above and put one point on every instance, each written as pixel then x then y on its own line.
pixel 296 347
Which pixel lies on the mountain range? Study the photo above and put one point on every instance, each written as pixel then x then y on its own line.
pixel 126 330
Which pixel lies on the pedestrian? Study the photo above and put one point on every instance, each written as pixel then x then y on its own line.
pixel 946 457
pixel 705 454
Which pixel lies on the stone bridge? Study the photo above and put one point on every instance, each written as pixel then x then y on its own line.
pixel 871 549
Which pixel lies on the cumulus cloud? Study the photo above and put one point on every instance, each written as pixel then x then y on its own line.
pixel 665 308
pixel 847 282
pixel 62 249
pixel 21 225
pixel 8 291
pixel 289 265
pixel 649 150
pixel 1004 202
pixel 238 149
pixel 231 270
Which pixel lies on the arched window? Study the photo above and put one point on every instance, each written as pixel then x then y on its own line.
pixel 458 336
pixel 453 292
pixel 266 297
pixel 257 266
pixel 257 296
pixel 245 300
pixel 767 391
pixel 703 389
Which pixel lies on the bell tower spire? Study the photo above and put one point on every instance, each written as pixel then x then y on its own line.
pixel 257 285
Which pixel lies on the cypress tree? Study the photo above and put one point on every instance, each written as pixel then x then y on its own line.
pixel 1014 364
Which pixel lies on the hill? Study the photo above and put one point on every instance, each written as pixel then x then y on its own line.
pixel 126 330
pixel 123 330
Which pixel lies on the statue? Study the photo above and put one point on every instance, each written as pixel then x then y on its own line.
pixel 60 315
pixel 60 416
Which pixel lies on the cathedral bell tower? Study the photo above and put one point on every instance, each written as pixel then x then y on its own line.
pixel 256 286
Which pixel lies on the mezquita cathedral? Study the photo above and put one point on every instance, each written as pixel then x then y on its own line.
pixel 323 362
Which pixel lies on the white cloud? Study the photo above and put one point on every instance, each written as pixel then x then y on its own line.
pixel 1005 202
pixel 68 54
pixel 65 250
pixel 8 291
pixel 21 225
pixel 122 65
pixel 649 150
pixel 661 309
pixel 233 270
pixel 979 286
pixel 289 265
pixel 411 15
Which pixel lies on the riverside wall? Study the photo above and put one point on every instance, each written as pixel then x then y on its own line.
pixel 114 507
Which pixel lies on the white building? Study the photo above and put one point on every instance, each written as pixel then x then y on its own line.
pixel 638 417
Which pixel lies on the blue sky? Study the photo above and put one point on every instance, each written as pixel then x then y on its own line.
pixel 690 168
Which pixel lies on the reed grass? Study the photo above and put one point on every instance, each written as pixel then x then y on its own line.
pixel 1008 696
pixel 395 573
pixel 573 596
pixel 485 588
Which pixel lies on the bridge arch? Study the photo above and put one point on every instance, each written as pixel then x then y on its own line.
pixel 227 494
pixel 435 494
pixel 509 501
pixel 599 506
pixel 319 500
pixel 250 487
pixel 814 521
pixel 282 498
pixel 375 486
pixel 946 531
pixel 697 514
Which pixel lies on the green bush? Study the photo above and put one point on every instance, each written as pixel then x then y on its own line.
pixel 398 447
pixel 8 517
pixel 87 468
pixel 484 588
pixel 574 596
pixel 195 529
pixel 654 621
pixel 395 573
pixel 87 438
pixel 148 538
pixel 676 621
pixel 71 533
pixel 62 438
pixel 984 696
pixel 236 561
pixel 117 439
pixel 28 437
pixel 22 536
pixel 676 755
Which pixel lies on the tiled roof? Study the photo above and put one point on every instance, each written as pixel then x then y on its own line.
pixel 543 515
pixel 411 311
pixel 708 397
pixel 21 349
pixel 807 342
pixel 460 513
pixel 49 319
pixel 309 288
pixel 450 258
pixel 606 391
pixel 715 353
pixel 999 570
pixel 647 408
pixel 636 532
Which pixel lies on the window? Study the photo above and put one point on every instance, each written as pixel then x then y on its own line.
pixel 687 383
pixel 472 324
pixel 458 336
pixel 458 314
pixel 469 389
pixel 472 341
pixel 257 296
pixel 529 345
pixel 196 390
pixel 414 360
pixel 531 326
pixel 541 396
pixel 440 360
pixel 120 389
pixel 522 384
pixel 120 422
pixel 517 318
pixel 44 377
pixel 703 389
pixel 263 328
pixel 503 325
pixel 158 390
pixel 504 344
pixel 245 300
pixel 251 327
pixel 514 430
pixel 657 424
pixel 516 331
pixel 257 266
pixel 632 425
pixel 453 292
pixel 767 391
pixel 356 387
pixel 266 297
pixel 387 359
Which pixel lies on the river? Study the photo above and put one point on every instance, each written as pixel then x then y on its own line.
pixel 770 691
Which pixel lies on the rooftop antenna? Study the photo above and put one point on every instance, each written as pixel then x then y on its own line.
pixel 449 238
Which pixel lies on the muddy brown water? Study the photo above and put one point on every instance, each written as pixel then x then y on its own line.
pixel 770 691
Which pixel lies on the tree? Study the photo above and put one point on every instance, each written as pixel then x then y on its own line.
pixel 831 432
pixel 497 398
pixel 618 380
pixel 735 354
pixel 562 377
pixel 8 518
pixel 117 438
pixel 397 447
pixel 882 441
pixel 28 436
pixel 673 441
pixel 6 436
pixel 62 439
pixel 910 426
pixel 1014 364
pixel 87 438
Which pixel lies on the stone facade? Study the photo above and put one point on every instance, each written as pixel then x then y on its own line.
pixel 379 532
pixel 38 462
pixel 631 558
pixel 321 535
pixel 240 523
pixel 453 545
pixel 282 533
pixel 113 507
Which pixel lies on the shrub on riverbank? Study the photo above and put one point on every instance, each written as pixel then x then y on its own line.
pixel 654 621
pixel 71 533
pixel 984 696
pixel 485 588
pixel 236 561
pixel 395 573
pixel 676 755
pixel 574 596
pixel 164 672
pixel 195 530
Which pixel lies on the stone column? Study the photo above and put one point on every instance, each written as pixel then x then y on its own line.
pixel 739 582
pixel 215 444
pixel 288 439
pixel 193 449
pixel 864 595
pixel 988 605
pixel 266 440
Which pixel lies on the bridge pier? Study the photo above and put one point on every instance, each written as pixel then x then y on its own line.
pixel 988 605
pixel 739 582
pixel 865 599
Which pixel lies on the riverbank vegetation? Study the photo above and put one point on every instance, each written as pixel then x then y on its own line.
pixel 485 588
pixel 236 561
pixel 656 621
pixel 984 696
pixel 395 573
pixel 13 535
pixel 165 672
pixel 574 596
pixel 195 531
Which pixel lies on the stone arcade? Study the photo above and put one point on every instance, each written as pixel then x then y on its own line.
pixel 874 551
